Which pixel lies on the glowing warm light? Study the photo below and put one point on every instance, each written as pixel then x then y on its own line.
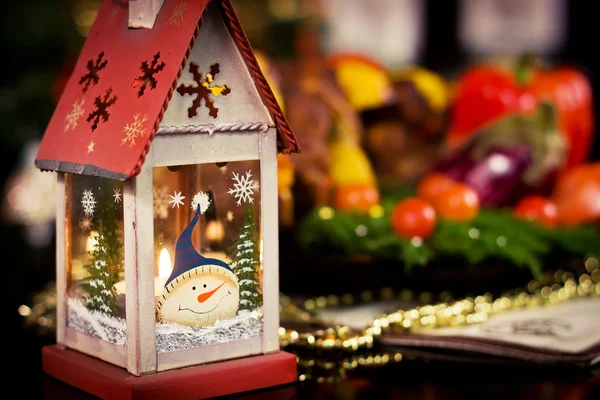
pixel 215 231
pixel 165 267
pixel 326 213
pixel 91 242
pixel 164 271
pixel 24 310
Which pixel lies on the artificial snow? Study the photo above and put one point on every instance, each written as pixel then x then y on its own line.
pixel 95 323
pixel 169 337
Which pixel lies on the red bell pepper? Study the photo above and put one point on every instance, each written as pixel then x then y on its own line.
pixel 486 93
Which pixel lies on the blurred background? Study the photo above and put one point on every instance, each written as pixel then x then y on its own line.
pixel 499 96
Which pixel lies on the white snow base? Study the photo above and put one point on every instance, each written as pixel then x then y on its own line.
pixel 95 323
pixel 169 337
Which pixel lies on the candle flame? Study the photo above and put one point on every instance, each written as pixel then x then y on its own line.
pixel 164 265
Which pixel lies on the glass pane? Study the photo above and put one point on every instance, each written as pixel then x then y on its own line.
pixel 95 257
pixel 208 254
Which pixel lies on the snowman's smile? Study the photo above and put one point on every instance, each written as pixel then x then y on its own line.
pixel 206 312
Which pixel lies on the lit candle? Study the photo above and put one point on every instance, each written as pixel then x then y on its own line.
pixel 164 270
pixel 165 267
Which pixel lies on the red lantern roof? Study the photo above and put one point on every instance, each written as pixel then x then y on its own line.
pixel 97 127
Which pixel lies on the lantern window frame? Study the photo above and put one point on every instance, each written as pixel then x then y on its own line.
pixel 140 355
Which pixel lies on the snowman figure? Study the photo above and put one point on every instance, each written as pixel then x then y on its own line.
pixel 200 290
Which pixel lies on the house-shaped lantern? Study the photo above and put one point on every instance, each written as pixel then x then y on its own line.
pixel 165 141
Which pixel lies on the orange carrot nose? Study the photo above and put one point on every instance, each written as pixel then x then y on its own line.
pixel 202 297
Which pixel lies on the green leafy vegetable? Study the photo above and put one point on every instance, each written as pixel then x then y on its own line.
pixel 493 234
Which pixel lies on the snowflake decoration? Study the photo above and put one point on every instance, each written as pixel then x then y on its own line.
pixel 205 88
pixel 117 195
pixel 86 224
pixel 74 115
pixel 88 202
pixel 147 78
pixel 177 18
pixel 201 199
pixel 135 129
pixel 160 202
pixel 176 199
pixel 101 110
pixel 93 67
pixel 243 188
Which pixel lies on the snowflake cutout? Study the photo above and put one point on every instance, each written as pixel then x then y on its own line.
pixel 86 224
pixel 203 90
pixel 201 199
pixel 101 110
pixel 135 129
pixel 243 188
pixel 93 67
pixel 117 195
pixel 76 113
pixel 147 78
pixel 160 202
pixel 88 202
pixel 177 18
pixel 176 199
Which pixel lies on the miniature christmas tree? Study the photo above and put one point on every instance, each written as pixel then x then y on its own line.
pixel 106 261
pixel 246 262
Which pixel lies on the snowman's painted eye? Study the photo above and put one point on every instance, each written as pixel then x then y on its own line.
pixel 193 287
pixel 205 285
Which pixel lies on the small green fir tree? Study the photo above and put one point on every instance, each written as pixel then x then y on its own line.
pixel 246 262
pixel 106 261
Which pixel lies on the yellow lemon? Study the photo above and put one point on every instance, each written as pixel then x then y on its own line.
pixel 365 82
pixel 350 164
pixel 431 85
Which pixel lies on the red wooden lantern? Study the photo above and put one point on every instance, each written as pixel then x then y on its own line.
pixel 165 141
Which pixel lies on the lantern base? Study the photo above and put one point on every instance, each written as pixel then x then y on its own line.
pixel 106 380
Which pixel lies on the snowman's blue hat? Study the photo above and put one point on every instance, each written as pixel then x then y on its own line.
pixel 186 256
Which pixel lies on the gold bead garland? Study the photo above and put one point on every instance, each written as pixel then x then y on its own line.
pixel 316 350
pixel 552 289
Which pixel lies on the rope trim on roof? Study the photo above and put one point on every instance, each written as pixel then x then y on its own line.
pixel 211 128
pixel 286 142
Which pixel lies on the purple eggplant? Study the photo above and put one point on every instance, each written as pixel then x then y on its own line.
pixel 517 156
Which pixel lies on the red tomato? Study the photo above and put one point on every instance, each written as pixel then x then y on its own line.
pixel 459 203
pixel 431 186
pixel 413 217
pixel 577 195
pixel 538 209
pixel 356 197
